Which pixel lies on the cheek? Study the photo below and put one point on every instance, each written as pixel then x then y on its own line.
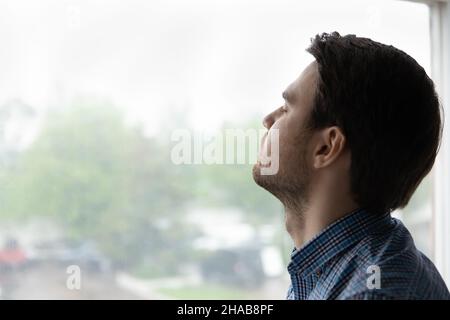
pixel 291 138
pixel 293 142
pixel 287 132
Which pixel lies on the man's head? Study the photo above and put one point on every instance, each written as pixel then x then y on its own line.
pixel 363 112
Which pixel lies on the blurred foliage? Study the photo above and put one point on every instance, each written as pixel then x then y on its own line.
pixel 104 181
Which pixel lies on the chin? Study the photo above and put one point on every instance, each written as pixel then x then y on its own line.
pixel 256 171
pixel 264 181
pixel 269 183
pixel 257 174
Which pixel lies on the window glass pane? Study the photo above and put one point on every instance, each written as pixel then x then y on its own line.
pixel 91 93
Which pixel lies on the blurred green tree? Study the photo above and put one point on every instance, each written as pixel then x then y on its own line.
pixel 102 181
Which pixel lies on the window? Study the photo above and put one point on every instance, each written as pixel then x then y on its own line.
pixel 439 19
pixel 92 205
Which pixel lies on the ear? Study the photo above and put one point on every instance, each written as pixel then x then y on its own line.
pixel 330 145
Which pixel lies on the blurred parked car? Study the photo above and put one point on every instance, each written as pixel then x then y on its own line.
pixel 12 256
pixel 12 259
pixel 84 254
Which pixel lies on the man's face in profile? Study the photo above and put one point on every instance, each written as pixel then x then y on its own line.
pixel 291 182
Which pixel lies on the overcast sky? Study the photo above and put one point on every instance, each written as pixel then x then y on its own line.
pixel 223 59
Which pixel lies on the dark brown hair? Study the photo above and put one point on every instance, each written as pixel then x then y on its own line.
pixel 389 112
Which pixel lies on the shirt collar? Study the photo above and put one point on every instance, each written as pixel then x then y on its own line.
pixel 336 238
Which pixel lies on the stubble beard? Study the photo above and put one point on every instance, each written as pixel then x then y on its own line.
pixel 291 186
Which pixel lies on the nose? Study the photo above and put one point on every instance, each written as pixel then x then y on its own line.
pixel 270 119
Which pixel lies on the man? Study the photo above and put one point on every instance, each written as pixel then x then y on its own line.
pixel 359 130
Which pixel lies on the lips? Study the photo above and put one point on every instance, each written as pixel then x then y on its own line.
pixel 264 165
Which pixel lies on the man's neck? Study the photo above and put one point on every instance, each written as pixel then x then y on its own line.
pixel 303 224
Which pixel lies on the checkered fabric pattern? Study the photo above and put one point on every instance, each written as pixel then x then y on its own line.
pixel 338 263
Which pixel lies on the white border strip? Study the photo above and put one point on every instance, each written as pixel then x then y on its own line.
pixel 440 72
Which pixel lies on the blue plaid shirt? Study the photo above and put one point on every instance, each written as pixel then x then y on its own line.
pixel 343 261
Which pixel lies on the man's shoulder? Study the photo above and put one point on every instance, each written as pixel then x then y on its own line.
pixel 391 267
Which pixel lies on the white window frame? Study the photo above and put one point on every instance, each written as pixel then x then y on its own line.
pixel 440 73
